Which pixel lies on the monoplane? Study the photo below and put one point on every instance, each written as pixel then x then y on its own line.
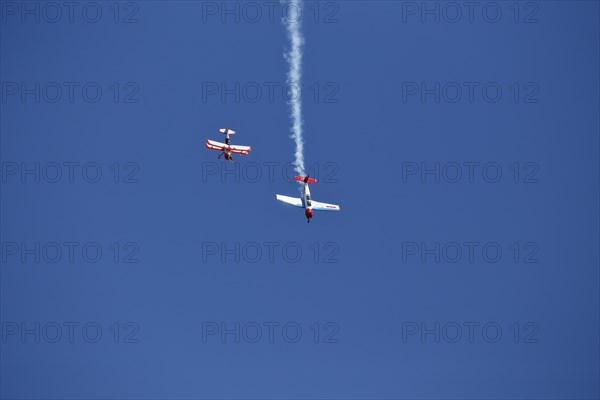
pixel 306 201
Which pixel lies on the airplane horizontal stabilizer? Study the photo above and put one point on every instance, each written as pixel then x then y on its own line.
pixel 305 179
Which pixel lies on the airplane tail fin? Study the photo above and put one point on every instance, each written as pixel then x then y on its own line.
pixel 305 179
pixel 227 131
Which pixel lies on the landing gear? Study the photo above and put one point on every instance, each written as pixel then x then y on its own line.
pixel 227 157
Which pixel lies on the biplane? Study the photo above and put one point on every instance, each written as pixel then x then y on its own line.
pixel 227 148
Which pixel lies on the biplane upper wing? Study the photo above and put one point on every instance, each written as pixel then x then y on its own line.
pixel 211 144
pixel 240 149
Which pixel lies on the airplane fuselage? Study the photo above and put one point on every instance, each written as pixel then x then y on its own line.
pixel 307 202
pixel 226 151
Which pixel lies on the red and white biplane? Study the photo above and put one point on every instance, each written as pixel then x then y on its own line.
pixel 227 148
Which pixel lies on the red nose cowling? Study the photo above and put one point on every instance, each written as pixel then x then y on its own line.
pixel 308 213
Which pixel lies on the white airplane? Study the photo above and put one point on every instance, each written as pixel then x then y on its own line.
pixel 226 148
pixel 306 202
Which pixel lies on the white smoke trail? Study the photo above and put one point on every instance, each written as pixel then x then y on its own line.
pixel 293 21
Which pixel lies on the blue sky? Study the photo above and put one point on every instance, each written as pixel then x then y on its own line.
pixel 407 124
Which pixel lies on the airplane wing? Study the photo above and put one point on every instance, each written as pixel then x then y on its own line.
pixel 240 149
pixel 296 202
pixel 211 144
pixel 324 206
